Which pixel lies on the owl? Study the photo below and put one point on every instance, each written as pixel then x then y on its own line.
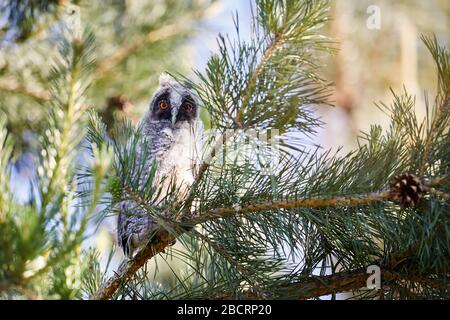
pixel 172 127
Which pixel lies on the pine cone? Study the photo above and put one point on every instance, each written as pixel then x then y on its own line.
pixel 115 188
pixel 406 190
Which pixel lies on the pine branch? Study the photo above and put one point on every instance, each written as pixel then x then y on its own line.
pixel 160 241
pixel 436 182
pixel 353 280
pixel 311 203
pixel 313 287
pixel 317 286
pixel 340 282
pixel 248 277
pixel 72 108
pixel 244 84
pixel 296 29
pixel 13 87
pixel 432 132
pixel 163 238
pixel 274 45
pixel 442 104
pixel 437 193
pixel 52 228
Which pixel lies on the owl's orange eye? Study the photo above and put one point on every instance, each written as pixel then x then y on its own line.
pixel 163 105
pixel 187 107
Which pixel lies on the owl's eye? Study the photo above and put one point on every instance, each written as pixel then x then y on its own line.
pixel 163 104
pixel 187 107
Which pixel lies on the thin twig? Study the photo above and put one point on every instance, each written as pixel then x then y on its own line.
pixel 14 87
pixel 276 43
pixel 436 182
pixel 439 194
pixel 430 137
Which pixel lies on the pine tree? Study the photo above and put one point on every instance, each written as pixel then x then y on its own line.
pixel 281 221
pixel 41 239
pixel 135 41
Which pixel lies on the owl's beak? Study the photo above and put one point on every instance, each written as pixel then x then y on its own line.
pixel 174 115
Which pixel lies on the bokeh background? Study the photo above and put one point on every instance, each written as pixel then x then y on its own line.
pixel 136 40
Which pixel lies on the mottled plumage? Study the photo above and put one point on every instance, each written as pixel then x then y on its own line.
pixel 172 127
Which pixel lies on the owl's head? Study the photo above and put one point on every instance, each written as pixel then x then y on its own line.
pixel 173 102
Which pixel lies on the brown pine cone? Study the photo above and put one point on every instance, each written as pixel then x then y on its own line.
pixel 406 189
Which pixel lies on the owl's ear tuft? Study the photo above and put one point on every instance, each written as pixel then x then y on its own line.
pixel 166 80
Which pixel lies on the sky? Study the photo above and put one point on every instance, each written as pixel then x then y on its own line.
pixel 204 41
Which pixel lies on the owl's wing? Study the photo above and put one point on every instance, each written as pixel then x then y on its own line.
pixel 124 230
pixel 134 224
pixel 133 227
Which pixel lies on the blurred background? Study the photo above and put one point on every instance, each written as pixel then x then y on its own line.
pixel 378 45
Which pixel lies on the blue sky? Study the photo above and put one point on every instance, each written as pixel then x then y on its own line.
pixel 204 41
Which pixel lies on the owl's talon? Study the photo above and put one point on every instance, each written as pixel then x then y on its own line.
pixel 170 244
